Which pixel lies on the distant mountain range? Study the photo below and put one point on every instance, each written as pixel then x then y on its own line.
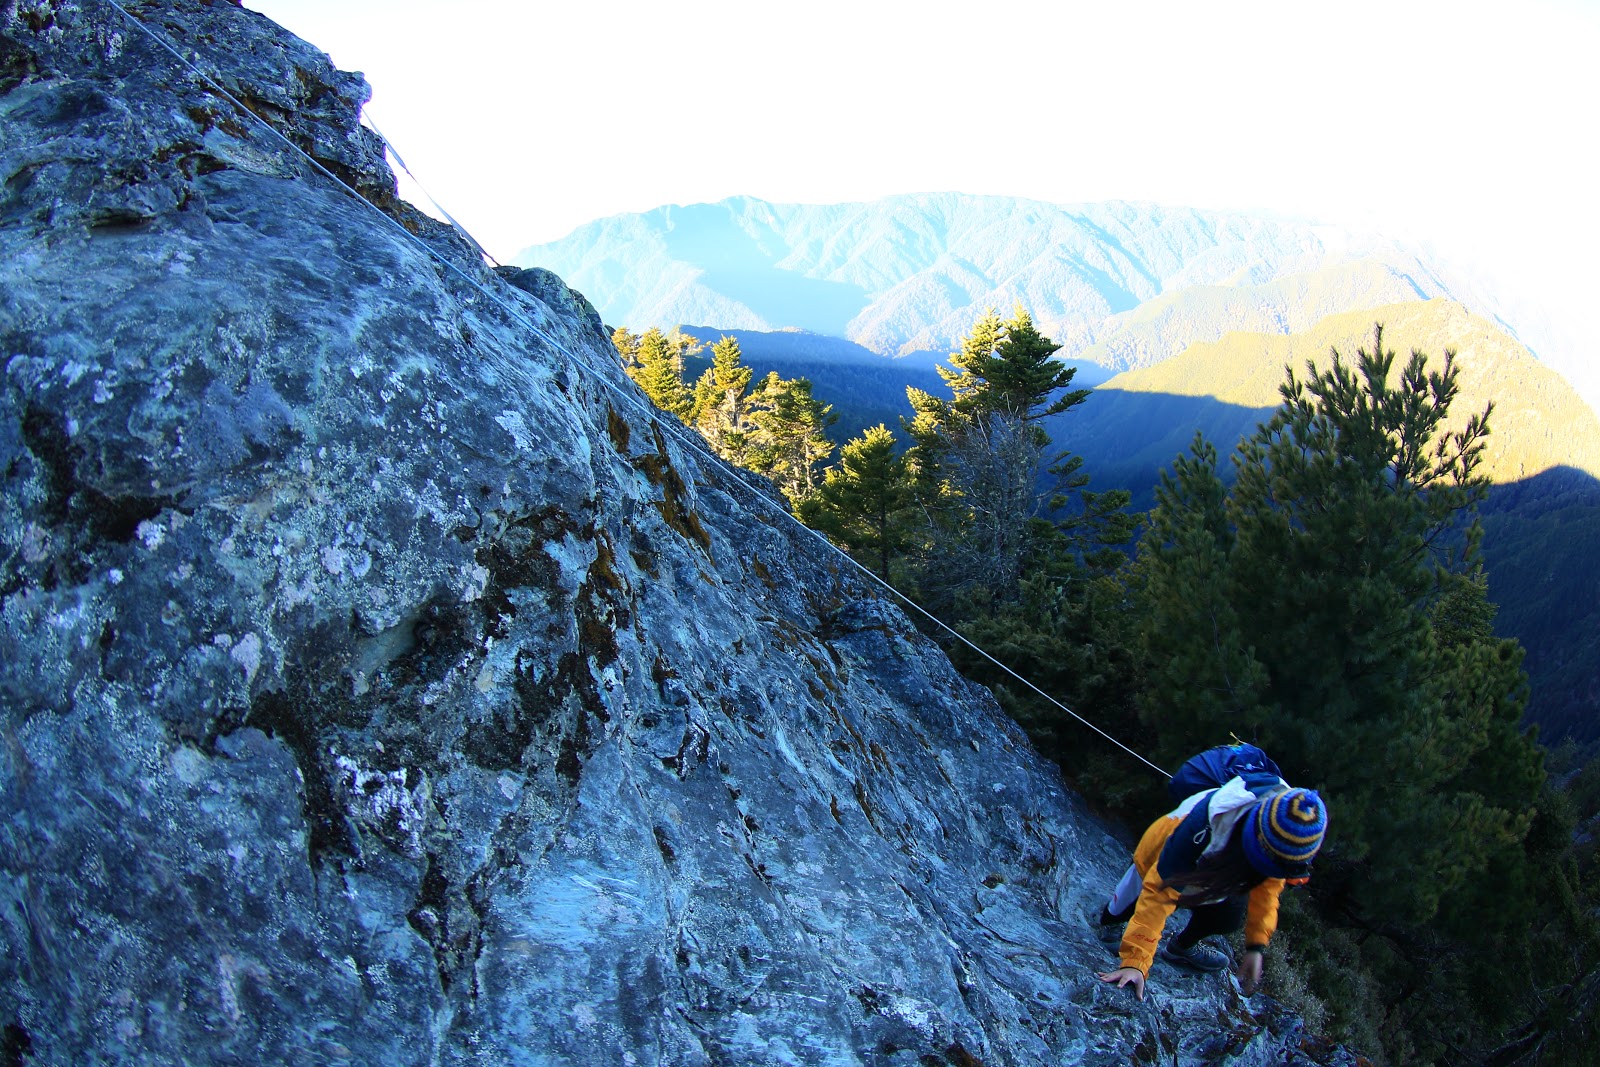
pixel 1118 284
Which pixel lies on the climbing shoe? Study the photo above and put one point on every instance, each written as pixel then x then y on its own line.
pixel 1197 957
pixel 1110 936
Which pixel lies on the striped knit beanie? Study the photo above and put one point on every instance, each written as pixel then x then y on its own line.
pixel 1283 832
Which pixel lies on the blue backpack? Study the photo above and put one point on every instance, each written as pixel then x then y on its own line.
pixel 1215 766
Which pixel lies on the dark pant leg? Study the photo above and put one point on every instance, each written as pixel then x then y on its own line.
pixel 1223 917
pixel 1107 916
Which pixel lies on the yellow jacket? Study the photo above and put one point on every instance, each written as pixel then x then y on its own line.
pixel 1159 853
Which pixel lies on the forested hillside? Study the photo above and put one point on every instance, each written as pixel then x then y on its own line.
pixel 1543 457
pixel 862 387
pixel 1541 516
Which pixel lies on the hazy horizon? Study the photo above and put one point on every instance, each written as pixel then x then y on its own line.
pixel 1456 127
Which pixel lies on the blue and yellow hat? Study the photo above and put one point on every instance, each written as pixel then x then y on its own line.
pixel 1284 831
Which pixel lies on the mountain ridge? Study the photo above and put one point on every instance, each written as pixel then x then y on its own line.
pixel 1549 426
pixel 911 272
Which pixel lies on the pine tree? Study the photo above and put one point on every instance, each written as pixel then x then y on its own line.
pixel 1330 606
pixel 1010 369
pixel 968 382
pixel 626 343
pixel 659 370
pixel 1347 509
pixel 977 459
pixel 788 438
pixel 1027 569
pixel 720 410
pixel 1203 681
pixel 864 502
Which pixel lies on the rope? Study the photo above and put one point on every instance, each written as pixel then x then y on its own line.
pixel 675 429
pixel 392 151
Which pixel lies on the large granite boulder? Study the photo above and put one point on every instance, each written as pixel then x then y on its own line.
pixel 382 682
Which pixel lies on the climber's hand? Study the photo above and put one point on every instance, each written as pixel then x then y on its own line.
pixel 1249 970
pixel 1123 975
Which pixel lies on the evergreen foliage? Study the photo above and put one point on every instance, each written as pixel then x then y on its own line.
pixel 1540 520
pixel 1069 631
pixel 626 343
pixel 1330 607
pixel 976 459
pixel 777 429
pixel 864 505
pixel 1201 680
pixel 658 368
pixel 721 410
pixel 1016 551
pixel 788 439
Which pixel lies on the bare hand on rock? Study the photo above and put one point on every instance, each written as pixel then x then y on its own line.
pixel 1124 975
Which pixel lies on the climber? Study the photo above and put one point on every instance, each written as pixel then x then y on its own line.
pixel 1225 853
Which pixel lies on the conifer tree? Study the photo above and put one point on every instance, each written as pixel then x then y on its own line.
pixel 720 409
pixel 1203 682
pixel 1028 570
pixel 864 502
pixel 659 370
pixel 1009 369
pixel 788 437
pixel 977 459
pixel 626 343
pixel 1330 607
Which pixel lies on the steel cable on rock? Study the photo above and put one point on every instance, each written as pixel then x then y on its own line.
pixel 681 434
pixel 390 149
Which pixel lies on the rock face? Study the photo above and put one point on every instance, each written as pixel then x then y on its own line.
pixel 381 682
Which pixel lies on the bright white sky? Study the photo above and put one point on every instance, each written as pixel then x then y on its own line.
pixel 1472 127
